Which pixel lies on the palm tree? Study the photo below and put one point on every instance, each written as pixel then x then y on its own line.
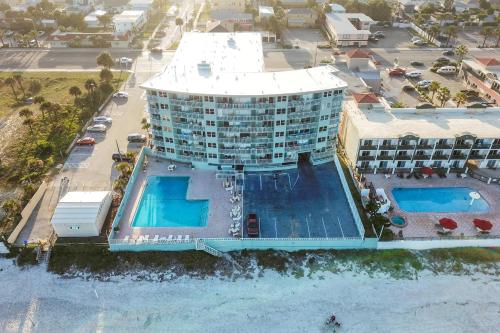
pixel 120 184
pixel 11 82
pixel 106 75
pixel 179 22
pixel 11 207
pixel 19 79
pixel 75 91
pixel 450 31
pixel 39 100
pixel 90 85
pixel 124 168
pixel 29 122
pixel 45 107
pixel 486 32
pixel 460 98
pixel 25 113
pixel 55 108
pixel 434 87
pixel 461 51
pixel 443 95
pixel 104 59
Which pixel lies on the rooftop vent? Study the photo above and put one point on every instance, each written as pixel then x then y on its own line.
pixel 231 42
pixel 204 68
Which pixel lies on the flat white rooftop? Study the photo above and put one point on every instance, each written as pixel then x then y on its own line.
pixel 233 64
pixel 429 123
pixel 343 26
pixel 128 15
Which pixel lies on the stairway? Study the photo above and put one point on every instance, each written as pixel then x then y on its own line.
pixel 201 246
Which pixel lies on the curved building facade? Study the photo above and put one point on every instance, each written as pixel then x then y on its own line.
pixel 215 106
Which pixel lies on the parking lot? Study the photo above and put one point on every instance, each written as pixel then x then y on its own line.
pixel 394 38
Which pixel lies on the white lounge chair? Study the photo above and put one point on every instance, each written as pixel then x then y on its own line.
pixel 170 238
pixel 163 239
pixel 155 239
pixel 140 239
pixel 146 238
pixel 125 239
pixel 179 238
pixel 186 238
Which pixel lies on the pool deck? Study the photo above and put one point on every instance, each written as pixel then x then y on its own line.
pixel 202 185
pixel 423 224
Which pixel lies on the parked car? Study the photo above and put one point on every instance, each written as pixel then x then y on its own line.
pixel 97 128
pixel 103 120
pixel 448 53
pixel 408 88
pixel 425 106
pixel 447 70
pixel 156 50
pixel 252 225
pixel 476 105
pixel 136 137
pixel 379 34
pixel 416 63
pixel 372 38
pixel 443 59
pixel 414 74
pixel 117 157
pixel 120 94
pixel 414 38
pixel 424 84
pixel 397 71
pixel 87 141
pixel 419 42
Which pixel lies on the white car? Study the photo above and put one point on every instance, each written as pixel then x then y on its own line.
pixel 447 70
pixel 415 38
pixel 418 42
pixel 424 83
pixel 414 74
pixel 97 128
pixel 120 94
pixel 125 60
pixel 103 120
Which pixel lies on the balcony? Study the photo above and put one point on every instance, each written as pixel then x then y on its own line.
pixel 387 147
pixel 245 129
pixel 477 157
pixel 458 157
pixel 257 117
pixel 368 147
pixel 444 146
pixel 440 157
pixel 402 158
pixel 425 146
pixel 366 158
pixel 299 114
pixel 385 157
pixel 463 146
pixel 194 103
pixel 300 136
pixel 187 114
pixel 300 148
pixel 406 147
pixel 494 156
pixel 192 126
pixel 245 105
pixel 301 101
pixel 481 146
pixel 421 157
pixel 496 145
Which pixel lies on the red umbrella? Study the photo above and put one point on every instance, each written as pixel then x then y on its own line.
pixel 427 171
pixel 448 223
pixel 483 224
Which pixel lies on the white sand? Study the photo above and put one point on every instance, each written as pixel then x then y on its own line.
pixel 32 300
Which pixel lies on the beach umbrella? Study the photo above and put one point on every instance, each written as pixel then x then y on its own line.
pixel 448 223
pixel 482 224
pixel 427 171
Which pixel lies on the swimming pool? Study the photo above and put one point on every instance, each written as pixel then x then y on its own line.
pixel 438 200
pixel 164 204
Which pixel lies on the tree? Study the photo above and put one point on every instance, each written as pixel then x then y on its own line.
pixel 145 124
pixel 39 100
pixel 104 59
pixel 45 107
pixel 448 5
pixel 434 87
pixel 450 31
pixel 124 169
pixel 35 87
pixel 19 80
pixel 460 98
pixel 29 122
pixel 179 22
pixel 90 85
pixel 461 51
pixel 443 95
pixel 75 92
pixel 12 208
pixel 105 20
pixel 106 75
pixel 486 32
pixel 11 82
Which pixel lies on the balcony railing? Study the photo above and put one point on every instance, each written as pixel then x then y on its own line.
pixel 234 117
pixel 425 146
pixel 402 157
pixel 477 157
pixel 300 148
pixel 385 157
pixel 368 147
pixel 174 101
pixel 496 146
pixel 366 158
pixel 481 145
pixel 494 156
pixel 245 129
pixel 421 157
pixel 440 157
pixel 245 140
pixel 463 146
pixel 187 114
pixel 458 157
pixel 245 105
pixel 406 147
pixel 387 147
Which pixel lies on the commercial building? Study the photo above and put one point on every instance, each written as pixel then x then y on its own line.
pixel 378 138
pixel 349 29
pixel 483 74
pixel 128 21
pixel 232 20
pixel 360 63
pixel 301 17
pixel 92 19
pixel 234 5
pixel 79 39
pixel 216 107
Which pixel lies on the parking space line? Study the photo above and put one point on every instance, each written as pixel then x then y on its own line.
pixel 296 180
pixel 275 185
pixel 260 177
pixel 275 228
pixel 324 227
pixel 340 225
pixel 308 231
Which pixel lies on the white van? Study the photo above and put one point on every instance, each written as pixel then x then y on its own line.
pixel 447 70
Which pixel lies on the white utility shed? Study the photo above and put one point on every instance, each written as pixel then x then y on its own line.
pixel 81 214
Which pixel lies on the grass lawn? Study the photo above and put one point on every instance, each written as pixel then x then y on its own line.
pixel 55 86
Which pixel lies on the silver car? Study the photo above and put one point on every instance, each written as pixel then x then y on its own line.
pixel 103 120
pixel 97 128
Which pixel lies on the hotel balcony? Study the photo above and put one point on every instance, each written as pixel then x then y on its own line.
pixel 463 146
pixel 192 126
pixel 477 157
pixel 300 148
pixel 458 157
pixel 495 146
pixel 366 158
pixel 402 158
pixel 421 157
pixel 245 140
pixel 245 105
pixel 385 157
pixel 444 146
pixel 425 146
pixel 234 117
pixel 302 114
pixel 368 147
pixel 387 147
pixel 304 136
pixel 187 114
pixel 406 147
pixel 440 157
pixel 481 146
pixel 494 156
pixel 174 101
pixel 245 129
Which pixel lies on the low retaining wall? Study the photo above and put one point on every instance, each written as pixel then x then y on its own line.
pixel 438 244
pixel 26 213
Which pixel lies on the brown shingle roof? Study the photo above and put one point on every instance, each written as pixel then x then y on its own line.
pixel 489 61
pixel 365 98
pixel 358 53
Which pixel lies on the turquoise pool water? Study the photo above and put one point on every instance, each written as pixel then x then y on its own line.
pixel 438 200
pixel 164 204
pixel 398 220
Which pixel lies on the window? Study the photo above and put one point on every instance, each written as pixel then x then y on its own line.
pixel 322 128
pixel 164 106
pixel 162 94
pixel 212 155
pixel 169 140
pixel 281 98
pixel 170 150
pixel 74 227
pixel 321 139
pixel 418 164
pixel 208 98
pixel 402 164
pixel 210 123
pixel 278 155
pixel 212 145
pixel 278 134
pixel 280 111
pixel 211 134
pixel 152 92
pixel 324 117
pixel 327 93
pixel 209 111
pixel 280 123
pixel 279 145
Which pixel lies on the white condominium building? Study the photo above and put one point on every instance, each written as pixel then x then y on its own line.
pixel 215 106
pixel 378 138
pixel 349 29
